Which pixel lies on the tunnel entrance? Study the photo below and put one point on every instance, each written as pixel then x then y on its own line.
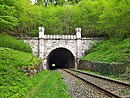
pixel 60 58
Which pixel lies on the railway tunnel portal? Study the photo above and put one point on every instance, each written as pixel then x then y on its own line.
pixel 60 51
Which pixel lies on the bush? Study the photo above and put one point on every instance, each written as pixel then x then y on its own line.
pixel 11 42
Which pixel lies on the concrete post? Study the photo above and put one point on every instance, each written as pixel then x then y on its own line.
pixel 41 45
pixel 78 45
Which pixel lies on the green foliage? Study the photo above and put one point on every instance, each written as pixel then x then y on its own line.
pixel 56 2
pixel 30 17
pixel 89 13
pixel 40 2
pixel 16 58
pixel 103 17
pixel 59 20
pixel 50 86
pixel 110 51
pixel 7 16
pixel 95 17
pixel 111 21
pixel 11 42
pixel 13 82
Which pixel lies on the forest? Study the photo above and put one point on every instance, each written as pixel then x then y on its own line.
pixel 97 18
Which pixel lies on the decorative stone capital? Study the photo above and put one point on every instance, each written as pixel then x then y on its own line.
pixel 78 33
pixel 41 32
pixel 41 29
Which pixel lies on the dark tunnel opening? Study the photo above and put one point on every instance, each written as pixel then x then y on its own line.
pixel 60 58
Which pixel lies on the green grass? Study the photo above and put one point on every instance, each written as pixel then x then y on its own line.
pixel 110 51
pixel 50 86
pixel 11 42
pixel 15 84
pixel 16 58
pixel 46 84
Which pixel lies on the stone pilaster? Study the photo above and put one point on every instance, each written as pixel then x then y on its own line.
pixel 78 46
pixel 41 42
pixel 41 45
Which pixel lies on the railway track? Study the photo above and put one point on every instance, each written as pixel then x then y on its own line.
pixel 113 88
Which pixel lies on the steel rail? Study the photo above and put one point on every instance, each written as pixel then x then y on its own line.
pixel 102 89
pixel 100 77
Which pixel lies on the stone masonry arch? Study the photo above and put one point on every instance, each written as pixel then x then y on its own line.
pixel 54 48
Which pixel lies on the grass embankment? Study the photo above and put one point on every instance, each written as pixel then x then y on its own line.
pixel 12 42
pixel 110 51
pixel 14 83
pixel 51 85
pixel 16 58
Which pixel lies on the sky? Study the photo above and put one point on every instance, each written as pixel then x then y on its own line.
pixel 33 1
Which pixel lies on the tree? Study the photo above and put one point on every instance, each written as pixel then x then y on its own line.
pixel 8 17
pixel 39 2
pixel 114 19
pixel 89 12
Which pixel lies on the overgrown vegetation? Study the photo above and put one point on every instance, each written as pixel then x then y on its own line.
pixel 110 51
pixel 11 42
pixel 15 84
pixel 16 58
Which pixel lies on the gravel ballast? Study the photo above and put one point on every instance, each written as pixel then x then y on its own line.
pixel 80 89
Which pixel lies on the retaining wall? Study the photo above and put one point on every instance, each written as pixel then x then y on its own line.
pixel 103 67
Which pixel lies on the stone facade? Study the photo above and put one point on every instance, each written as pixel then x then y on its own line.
pixel 50 45
pixel 34 45
pixel 44 44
